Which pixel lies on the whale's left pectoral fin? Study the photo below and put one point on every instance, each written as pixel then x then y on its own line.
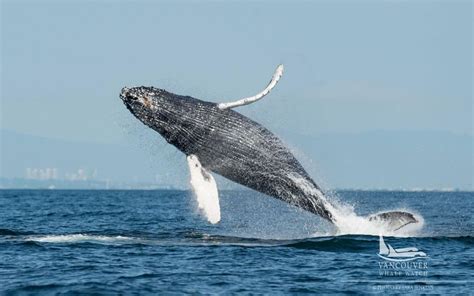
pixel 205 190
pixel 393 221
pixel 245 101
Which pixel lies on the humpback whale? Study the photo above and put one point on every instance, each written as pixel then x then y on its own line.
pixel 223 141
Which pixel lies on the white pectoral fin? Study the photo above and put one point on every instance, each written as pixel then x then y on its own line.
pixel 205 190
pixel 245 101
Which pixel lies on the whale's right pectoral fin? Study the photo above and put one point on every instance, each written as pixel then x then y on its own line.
pixel 205 190
pixel 276 77
pixel 393 220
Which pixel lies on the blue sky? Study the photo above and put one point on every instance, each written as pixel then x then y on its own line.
pixel 350 66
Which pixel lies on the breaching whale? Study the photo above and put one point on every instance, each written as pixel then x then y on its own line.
pixel 223 141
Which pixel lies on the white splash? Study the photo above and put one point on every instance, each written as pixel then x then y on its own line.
pixel 205 190
pixel 348 222
pixel 80 238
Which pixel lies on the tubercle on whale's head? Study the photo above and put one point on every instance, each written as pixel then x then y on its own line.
pixel 149 104
pixel 140 97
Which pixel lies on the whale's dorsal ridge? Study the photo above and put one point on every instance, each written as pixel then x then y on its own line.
pixel 245 101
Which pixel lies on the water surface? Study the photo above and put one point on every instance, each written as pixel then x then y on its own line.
pixel 54 241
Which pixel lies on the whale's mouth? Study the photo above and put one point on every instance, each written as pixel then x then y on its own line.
pixel 133 96
pixel 129 95
pixel 128 100
pixel 124 92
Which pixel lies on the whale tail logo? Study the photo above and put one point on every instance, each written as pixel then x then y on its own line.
pixel 387 252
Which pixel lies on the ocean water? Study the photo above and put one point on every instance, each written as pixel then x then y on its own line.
pixel 157 242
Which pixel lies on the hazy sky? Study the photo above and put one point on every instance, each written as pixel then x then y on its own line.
pixel 350 66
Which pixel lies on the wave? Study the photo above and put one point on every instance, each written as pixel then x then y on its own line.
pixel 349 243
pixel 83 238
pixel 343 243
pixel 9 232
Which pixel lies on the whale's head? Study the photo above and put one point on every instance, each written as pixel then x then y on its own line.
pixel 173 116
pixel 153 106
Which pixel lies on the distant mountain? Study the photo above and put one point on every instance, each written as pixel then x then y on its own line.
pixel 373 160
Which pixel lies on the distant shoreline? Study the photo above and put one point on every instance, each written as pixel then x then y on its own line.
pixel 94 184
pixel 229 190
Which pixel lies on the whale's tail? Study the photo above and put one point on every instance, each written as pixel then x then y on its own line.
pixel 393 220
pixel 387 223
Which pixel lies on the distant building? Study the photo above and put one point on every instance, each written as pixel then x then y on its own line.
pixel 81 175
pixel 41 173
